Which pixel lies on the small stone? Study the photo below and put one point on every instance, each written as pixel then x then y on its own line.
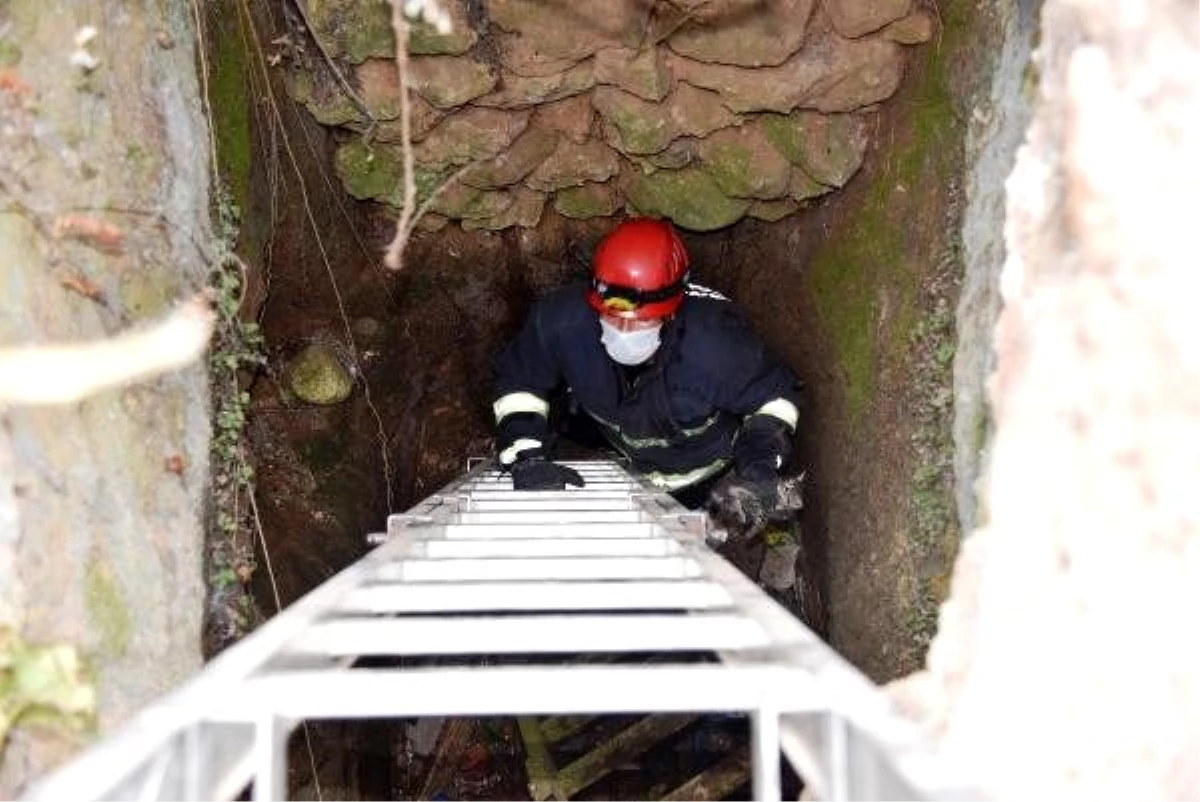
pixel 778 571
pixel 317 376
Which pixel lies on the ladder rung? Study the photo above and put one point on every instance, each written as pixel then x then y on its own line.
pixel 551 516
pixel 429 597
pixel 545 547
pixel 529 634
pixel 582 504
pixel 540 568
pixel 524 531
pixel 527 690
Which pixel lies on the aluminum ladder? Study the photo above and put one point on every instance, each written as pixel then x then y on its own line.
pixel 615 567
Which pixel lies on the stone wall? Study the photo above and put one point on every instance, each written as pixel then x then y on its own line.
pixel 701 112
pixel 104 188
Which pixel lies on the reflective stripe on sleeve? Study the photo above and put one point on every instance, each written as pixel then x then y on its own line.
pixel 519 402
pixel 674 481
pixel 780 408
pixel 509 455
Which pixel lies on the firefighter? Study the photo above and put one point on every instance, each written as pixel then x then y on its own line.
pixel 671 374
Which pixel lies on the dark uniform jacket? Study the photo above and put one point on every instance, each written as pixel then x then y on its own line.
pixel 710 395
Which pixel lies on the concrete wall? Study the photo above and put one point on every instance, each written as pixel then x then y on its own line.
pixel 105 192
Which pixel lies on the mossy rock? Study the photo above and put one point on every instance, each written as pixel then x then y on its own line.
pixel 327 106
pixel 459 201
pixel 640 72
pixel 772 210
pixel 317 376
pixel 525 91
pixel 426 181
pixel 689 197
pixel 574 165
pixel 531 148
pixel 679 153
pixel 424 40
pixel 470 135
pixel 593 199
pixel 355 30
pixel 524 211
pixel 633 125
pixel 828 147
pixel 746 33
pixel 744 164
pixel 699 112
pixel 446 82
pixel 801 186
pixel 367 173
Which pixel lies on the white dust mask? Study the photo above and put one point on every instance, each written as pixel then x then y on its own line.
pixel 629 347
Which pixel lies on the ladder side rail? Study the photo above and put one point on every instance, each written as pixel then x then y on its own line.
pixel 108 763
pixel 862 747
pixel 229 724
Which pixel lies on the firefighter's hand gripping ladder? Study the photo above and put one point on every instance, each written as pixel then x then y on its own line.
pixel 478 569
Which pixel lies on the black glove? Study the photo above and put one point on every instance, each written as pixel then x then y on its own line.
pixel 538 473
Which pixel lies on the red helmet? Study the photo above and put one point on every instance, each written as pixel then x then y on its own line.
pixel 639 271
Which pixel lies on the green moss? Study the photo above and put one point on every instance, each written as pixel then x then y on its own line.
pixel 317 376
pixel 367 172
pixel 355 29
pixel 230 100
pixel 43 686
pixel 585 202
pixel 729 166
pixel 640 133
pixel 875 250
pixel 424 40
pixel 689 197
pixel 106 608
pixel 10 53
